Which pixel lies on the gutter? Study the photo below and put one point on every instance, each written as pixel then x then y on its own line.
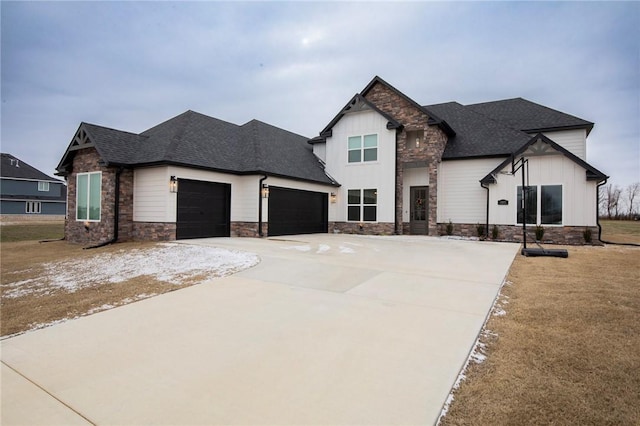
pixel 260 205
pixel 486 228
pixel 116 213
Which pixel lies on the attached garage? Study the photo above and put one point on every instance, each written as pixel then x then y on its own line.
pixel 204 209
pixel 293 211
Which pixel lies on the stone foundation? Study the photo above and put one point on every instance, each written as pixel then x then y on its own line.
pixel 565 235
pixel 247 229
pixel 364 228
pixel 154 231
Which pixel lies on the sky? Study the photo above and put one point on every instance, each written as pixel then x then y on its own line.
pixel 132 65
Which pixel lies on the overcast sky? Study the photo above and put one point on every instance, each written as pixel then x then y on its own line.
pixel 132 65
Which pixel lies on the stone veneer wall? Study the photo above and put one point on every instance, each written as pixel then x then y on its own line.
pixel 87 160
pixel 430 149
pixel 154 231
pixel 248 229
pixel 568 235
pixel 368 228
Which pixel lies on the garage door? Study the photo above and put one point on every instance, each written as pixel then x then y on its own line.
pixel 292 211
pixel 203 209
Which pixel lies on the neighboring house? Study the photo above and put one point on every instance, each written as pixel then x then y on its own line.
pixel 26 191
pixel 383 165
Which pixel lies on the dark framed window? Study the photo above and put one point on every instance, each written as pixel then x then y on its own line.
pixel 362 205
pixel 544 204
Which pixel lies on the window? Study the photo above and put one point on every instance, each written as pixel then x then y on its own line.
pixel 551 205
pixel 363 148
pixel 362 205
pixel 32 207
pixel 43 186
pixel 88 196
pixel 544 206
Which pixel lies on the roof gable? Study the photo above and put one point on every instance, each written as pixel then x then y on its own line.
pixel 542 145
pixel 433 119
pixel 356 104
pixel 530 117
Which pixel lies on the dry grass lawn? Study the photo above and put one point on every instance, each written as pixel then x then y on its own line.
pixel 621 231
pixel 25 259
pixel 568 349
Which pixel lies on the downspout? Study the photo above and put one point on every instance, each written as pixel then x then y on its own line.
pixel 486 228
pixel 260 205
pixel 116 213
pixel 604 182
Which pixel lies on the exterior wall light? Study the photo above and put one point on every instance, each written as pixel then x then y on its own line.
pixel 333 197
pixel 265 190
pixel 173 184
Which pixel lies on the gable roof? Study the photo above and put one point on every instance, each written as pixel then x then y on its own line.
pixel 530 117
pixel 196 140
pixel 591 172
pixel 433 118
pixel 13 167
pixel 476 135
pixel 356 103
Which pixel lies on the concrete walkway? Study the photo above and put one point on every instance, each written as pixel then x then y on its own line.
pixel 327 329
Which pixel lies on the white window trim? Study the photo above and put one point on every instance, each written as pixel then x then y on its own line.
pixel 539 206
pixel 33 207
pixel 88 197
pixel 362 205
pixel 362 149
pixel 43 186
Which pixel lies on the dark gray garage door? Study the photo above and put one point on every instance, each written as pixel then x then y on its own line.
pixel 203 209
pixel 292 211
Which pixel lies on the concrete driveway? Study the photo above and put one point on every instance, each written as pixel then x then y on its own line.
pixel 327 329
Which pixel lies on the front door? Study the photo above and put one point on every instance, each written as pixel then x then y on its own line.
pixel 419 224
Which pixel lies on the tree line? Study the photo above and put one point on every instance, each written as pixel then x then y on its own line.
pixel 620 203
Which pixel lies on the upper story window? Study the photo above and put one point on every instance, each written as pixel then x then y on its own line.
pixel 363 148
pixel 88 196
pixel 544 204
pixel 43 186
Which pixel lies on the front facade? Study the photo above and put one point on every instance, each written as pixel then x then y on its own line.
pixel 383 165
pixel 29 193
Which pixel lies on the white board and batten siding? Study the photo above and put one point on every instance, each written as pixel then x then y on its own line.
pixel 461 199
pixel 379 175
pixel 578 194
pixel 153 202
pixel 574 141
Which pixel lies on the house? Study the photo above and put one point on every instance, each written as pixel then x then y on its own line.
pixel 383 165
pixel 27 192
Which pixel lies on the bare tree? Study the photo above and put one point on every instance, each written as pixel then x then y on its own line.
pixel 611 200
pixel 633 190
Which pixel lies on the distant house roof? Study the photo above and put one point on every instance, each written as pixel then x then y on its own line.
pixel 196 140
pixel 13 167
pixel 521 114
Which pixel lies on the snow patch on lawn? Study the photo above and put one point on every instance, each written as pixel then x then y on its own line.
pixel 169 262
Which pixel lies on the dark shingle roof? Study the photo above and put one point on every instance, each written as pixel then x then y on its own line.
pixel 12 167
pixel 521 114
pixel 197 140
pixel 476 135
